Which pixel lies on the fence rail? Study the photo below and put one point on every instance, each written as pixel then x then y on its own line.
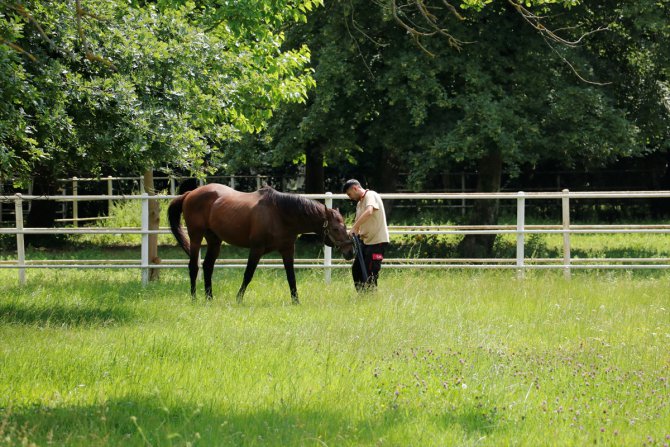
pixel 520 262
pixel 73 184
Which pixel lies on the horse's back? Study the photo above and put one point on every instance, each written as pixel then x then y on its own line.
pixel 224 211
pixel 198 202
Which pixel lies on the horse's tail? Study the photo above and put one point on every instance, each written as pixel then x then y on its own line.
pixel 174 216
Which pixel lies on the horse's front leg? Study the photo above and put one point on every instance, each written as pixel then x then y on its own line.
pixel 194 259
pixel 254 256
pixel 213 250
pixel 288 256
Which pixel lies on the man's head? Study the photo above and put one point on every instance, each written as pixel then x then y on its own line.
pixel 353 189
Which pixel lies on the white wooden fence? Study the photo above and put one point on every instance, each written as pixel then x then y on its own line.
pixel 112 186
pixel 521 262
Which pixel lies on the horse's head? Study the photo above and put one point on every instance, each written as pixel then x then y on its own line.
pixel 335 233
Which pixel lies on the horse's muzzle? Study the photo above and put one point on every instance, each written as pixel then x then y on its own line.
pixel 348 252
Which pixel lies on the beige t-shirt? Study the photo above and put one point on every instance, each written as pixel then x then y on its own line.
pixel 374 230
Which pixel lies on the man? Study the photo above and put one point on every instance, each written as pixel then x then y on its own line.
pixel 370 227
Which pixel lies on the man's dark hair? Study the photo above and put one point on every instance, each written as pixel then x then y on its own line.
pixel 349 183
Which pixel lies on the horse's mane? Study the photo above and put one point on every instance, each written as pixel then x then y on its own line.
pixel 293 203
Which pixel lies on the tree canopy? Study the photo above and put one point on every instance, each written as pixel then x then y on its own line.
pixel 97 85
pixel 509 92
pixel 427 86
pixel 513 98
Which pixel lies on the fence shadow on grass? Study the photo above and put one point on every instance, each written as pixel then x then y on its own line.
pixel 62 316
pixel 147 422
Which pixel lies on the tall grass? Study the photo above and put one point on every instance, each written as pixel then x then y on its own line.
pixel 432 358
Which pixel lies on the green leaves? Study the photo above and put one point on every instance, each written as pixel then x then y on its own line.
pixel 478 5
pixel 507 92
pixel 128 85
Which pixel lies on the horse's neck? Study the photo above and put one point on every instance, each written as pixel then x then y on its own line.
pixel 307 223
pixel 314 224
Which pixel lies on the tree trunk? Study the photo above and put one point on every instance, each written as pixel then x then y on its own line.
pixel 660 180
pixel 186 185
pixel 43 212
pixel 484 212
pixel 314 172
pixel 154 224
pixel 388 178
pixel 314 179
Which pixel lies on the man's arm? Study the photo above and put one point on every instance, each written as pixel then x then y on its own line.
pixel 355 229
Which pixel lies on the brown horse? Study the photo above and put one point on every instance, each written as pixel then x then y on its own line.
pixel 263 221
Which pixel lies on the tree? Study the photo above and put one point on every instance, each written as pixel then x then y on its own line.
pixel 105 83
pixel 100 85
pixel 355 116
pixel 510 99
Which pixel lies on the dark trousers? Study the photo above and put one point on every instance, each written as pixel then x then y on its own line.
pixel 373 255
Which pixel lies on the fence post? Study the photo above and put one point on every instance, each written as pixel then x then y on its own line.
pixel 172 185
pixel 145 239
pixel 20 247
pixel 31 188
pixel 63 206
pixel 258 181
pixel 75 203
pixel 520 226
pixel 232 181
pixel 328 251
pixel 463 204
pixel 110 192
pixel 565 202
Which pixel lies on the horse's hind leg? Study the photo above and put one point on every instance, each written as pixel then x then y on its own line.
pixel 213 249
pixel 194 255
pixel 254 256
pixel 288 258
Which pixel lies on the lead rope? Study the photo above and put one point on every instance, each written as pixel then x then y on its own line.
pixel 358 247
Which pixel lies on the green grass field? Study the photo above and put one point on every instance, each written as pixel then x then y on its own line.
pixel 91 358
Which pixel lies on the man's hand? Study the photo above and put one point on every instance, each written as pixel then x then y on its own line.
pixel 357 232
